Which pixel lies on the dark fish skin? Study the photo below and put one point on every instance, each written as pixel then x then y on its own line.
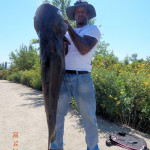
pixel 51 29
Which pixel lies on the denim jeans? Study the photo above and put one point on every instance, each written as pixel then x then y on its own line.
pixel 79 86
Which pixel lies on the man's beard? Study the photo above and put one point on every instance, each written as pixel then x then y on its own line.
pixel 81 23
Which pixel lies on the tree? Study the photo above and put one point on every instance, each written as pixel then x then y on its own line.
pixel 45 1
pixel 24 59
pixel 62 5
pixel 102 48
pixel 140 60
pixel 126 60
pixel 2 66
pixel 148 60
pixel 104 55
pixel 91 21
pixel 134 57
pixel 34 41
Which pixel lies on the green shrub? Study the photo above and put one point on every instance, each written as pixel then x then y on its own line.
pixel 3 74
pixel 24 59
pixel 123 92
pixel 30 78
pixel 16 77
pixel 36 81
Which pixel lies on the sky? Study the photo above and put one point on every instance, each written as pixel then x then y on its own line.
pixel 125 25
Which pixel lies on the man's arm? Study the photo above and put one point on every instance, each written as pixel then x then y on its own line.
pixel 83 44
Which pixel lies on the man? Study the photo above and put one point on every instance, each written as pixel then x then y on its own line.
pixel 77 81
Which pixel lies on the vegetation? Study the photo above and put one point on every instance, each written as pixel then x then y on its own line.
pixel 24 59
pixel 122 89
pixel 25 67
pixel 2 66
pixel 3 74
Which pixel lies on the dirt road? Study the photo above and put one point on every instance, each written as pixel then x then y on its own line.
pixel 23 123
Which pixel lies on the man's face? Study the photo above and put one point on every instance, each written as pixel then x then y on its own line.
pixel 81 15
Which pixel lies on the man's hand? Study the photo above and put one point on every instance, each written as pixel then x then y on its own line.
pixel 67 24
pixel 66 42
pixel 65 47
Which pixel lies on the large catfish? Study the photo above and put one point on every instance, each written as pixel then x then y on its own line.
pixel 51 30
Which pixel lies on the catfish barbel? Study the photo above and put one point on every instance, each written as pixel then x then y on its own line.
pixel 51 31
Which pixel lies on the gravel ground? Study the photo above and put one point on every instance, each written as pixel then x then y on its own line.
pixel 23 123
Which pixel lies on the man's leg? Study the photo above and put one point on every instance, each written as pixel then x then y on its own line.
pixel 62 110
pixel 85 97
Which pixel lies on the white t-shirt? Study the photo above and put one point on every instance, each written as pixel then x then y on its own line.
pixel 74 60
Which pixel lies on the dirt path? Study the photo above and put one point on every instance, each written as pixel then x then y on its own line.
pixel 22 113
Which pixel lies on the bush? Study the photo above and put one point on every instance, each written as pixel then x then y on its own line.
pixel 24 59
pixel 123 92
pixel 3 74
pixel 16 77
pixel 30 78
pixel 36 81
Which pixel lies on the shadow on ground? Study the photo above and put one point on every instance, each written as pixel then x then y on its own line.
pixel 106 127
pixel 34 98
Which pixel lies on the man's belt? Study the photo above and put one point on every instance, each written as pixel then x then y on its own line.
pixel 76 72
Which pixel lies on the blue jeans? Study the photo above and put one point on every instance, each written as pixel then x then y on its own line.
pixel 79 86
